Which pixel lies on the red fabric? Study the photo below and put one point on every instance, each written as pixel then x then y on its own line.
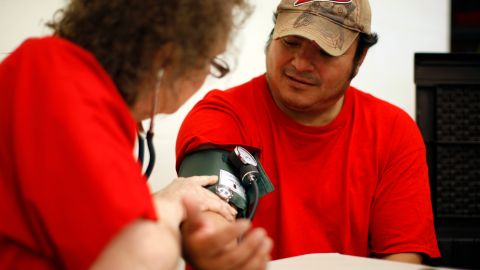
pixel 357 186
pixel 68 179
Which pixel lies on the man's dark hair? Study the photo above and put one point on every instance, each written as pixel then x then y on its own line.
pixel 365 41
pixel 134 39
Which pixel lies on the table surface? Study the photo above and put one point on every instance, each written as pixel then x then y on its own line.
pixel 335 261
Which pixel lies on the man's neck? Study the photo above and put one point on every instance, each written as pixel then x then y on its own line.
pixel 319 119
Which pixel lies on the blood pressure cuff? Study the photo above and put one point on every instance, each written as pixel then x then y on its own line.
pixel 215 162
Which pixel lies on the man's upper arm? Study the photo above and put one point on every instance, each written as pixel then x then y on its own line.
pixel 213 121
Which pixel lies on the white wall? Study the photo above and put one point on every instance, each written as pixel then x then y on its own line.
pixel 20 19
pixel 404 27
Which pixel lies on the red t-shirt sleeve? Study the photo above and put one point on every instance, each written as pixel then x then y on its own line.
pixel 402 219
pixel 214 121
pixel 73 144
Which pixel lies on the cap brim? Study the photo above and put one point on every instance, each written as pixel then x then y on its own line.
pixel 331 37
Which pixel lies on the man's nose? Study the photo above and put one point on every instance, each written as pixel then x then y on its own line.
pixel 303 59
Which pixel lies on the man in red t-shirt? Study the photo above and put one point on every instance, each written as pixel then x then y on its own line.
pixel 349 170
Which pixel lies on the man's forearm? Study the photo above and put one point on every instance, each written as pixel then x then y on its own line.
pixel 404 257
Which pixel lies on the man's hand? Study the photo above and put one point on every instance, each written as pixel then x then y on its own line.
pixel 210 242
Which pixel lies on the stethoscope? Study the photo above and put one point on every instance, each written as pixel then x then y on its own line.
pixel 151 150
pixel 149 135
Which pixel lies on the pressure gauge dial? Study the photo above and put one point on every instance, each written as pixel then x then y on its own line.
pixel 245 157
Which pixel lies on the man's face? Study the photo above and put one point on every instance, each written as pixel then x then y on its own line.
pixel 303 79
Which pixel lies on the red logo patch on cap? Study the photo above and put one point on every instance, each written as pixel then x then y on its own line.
pixel 302 2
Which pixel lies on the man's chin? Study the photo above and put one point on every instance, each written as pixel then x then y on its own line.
pixel 299 107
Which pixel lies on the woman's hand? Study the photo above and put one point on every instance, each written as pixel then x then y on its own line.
pixel 171 209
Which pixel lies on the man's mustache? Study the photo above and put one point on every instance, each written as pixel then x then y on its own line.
pixel 304 77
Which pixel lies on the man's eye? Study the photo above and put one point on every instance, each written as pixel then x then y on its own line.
pixel 324 54
pixel 289 43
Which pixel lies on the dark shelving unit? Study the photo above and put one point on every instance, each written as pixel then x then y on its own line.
pixel 448 115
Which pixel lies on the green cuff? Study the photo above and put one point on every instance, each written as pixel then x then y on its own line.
pixel 215 162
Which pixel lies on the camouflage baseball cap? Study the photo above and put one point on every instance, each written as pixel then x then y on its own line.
pixel 332 24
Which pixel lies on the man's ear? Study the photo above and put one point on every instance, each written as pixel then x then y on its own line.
pixel 360 61
pixel 362 57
